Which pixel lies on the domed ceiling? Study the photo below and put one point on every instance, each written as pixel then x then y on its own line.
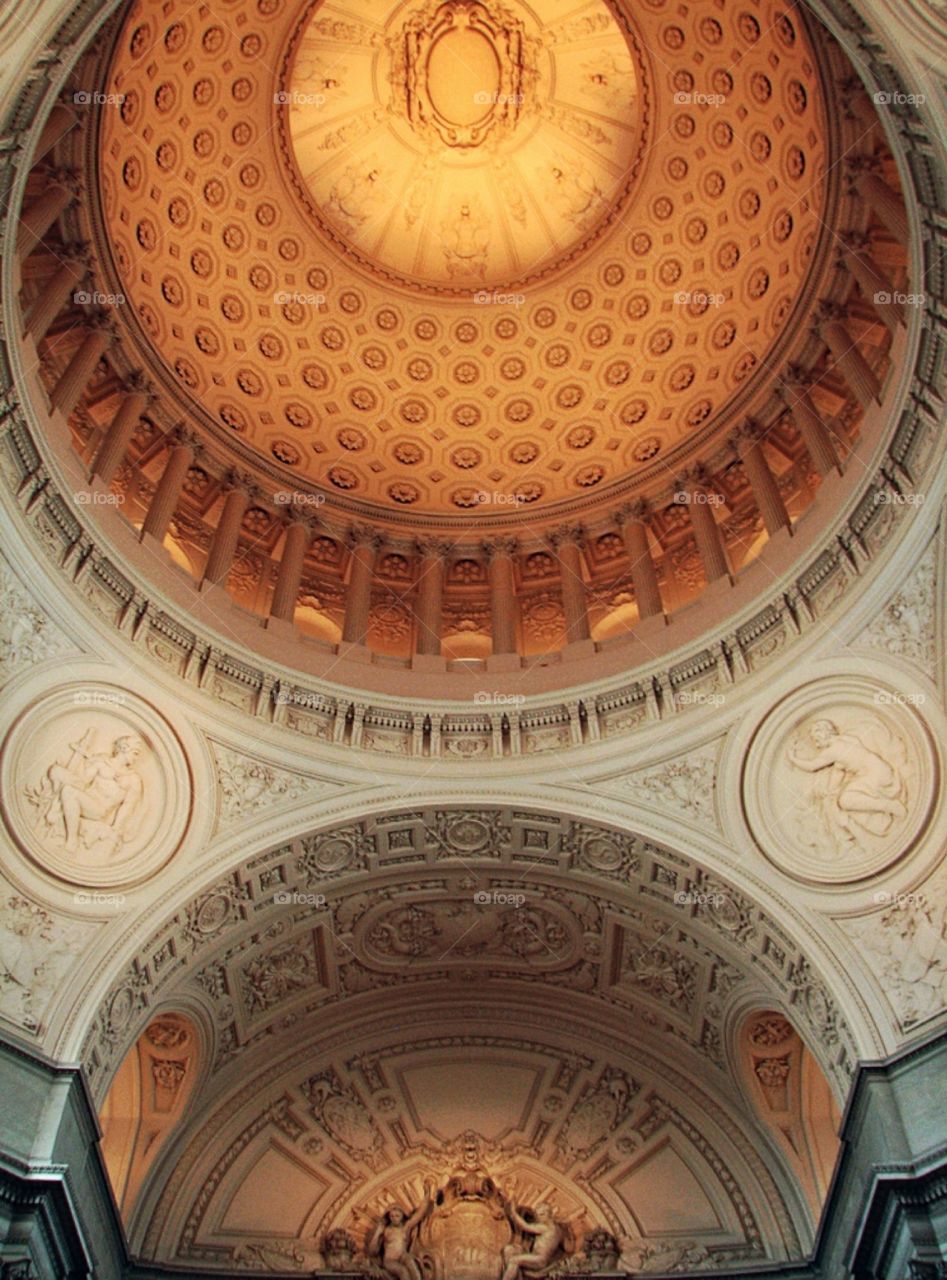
pixel 462 257
pixel 463 170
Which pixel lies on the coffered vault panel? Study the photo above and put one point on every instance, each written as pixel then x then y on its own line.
pixel 400 326
pixel 550 985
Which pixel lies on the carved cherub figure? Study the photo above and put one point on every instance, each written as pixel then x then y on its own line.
pixel 392 1238
pixel 546 1237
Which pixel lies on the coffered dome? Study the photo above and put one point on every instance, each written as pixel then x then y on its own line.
pixel 465 258
pixel 435 334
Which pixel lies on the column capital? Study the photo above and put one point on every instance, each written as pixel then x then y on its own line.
pixel 136 382
pixel 694 477
pixel 234 480
pixel 638 510
pixel 65 176
pixel 827 312
pixel 182 434
pixel 500 546
pixel 297 515
pixel 101 322
pixel 434 548
pixel 792 382
pixel 567 535
pixel 364 535
pixel 77 253
pixel 856 164
pixel 749 431
pixel 856 241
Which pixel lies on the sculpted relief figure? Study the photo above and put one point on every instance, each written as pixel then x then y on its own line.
pixel 355 194
pixel 91 801
pixel 860 788
pixel 546 1240
pixel 572 191
pixel 392 1238
pixel 465 240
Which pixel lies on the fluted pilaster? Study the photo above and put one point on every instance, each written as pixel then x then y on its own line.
pixel 223 547
pixel 852 365
pixel 632 521
pixel 66 393
pixel 746 443
pixel 37 218
pixel 61 120
pixel 114 445
pixel 290 572
pixel 875 286
pixel 710 544
pixel 170 487
pixel 567 544
pixel 794 392
pixel 365 544
pixel 429 601
pixel 503 604
pixel 883 201
pixel 54 296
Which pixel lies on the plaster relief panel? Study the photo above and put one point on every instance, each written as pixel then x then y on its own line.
pixel 96 789
pixel 839 781
pixel 906 626
pixel 904 944
pixel 248 784
pixel 461 929
pixel 27 636
pixel 37 953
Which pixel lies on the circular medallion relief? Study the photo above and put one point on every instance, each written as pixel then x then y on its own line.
pixel 839 780
pixel 96 789
pixel 464 143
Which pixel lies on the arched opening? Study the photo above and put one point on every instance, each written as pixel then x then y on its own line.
pixel 793 1098
pixel 146 1100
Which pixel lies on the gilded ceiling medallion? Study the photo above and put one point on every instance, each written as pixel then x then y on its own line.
pixel 466 144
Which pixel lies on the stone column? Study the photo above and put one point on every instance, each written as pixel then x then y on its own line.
pixel 114 445
pixel 885 203
pixel 500 553
pixel 66 393
pixel 59 122
pixel 170 487
pixel 793 390
pixel 875 286
pixel 746 444
pixel 429 602
pixel 40 215
pixel 710 544
pixel 48 304
pixel 854 368
pixel 567 544
pixel 632 522
pixel 290 573
pixel 365 544
pixel 223 547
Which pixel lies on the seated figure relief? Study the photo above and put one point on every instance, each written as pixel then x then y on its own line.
pixel 90 802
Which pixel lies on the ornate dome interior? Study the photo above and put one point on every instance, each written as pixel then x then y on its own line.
pixel 553 307
pixel 472 737
pixel 464 332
